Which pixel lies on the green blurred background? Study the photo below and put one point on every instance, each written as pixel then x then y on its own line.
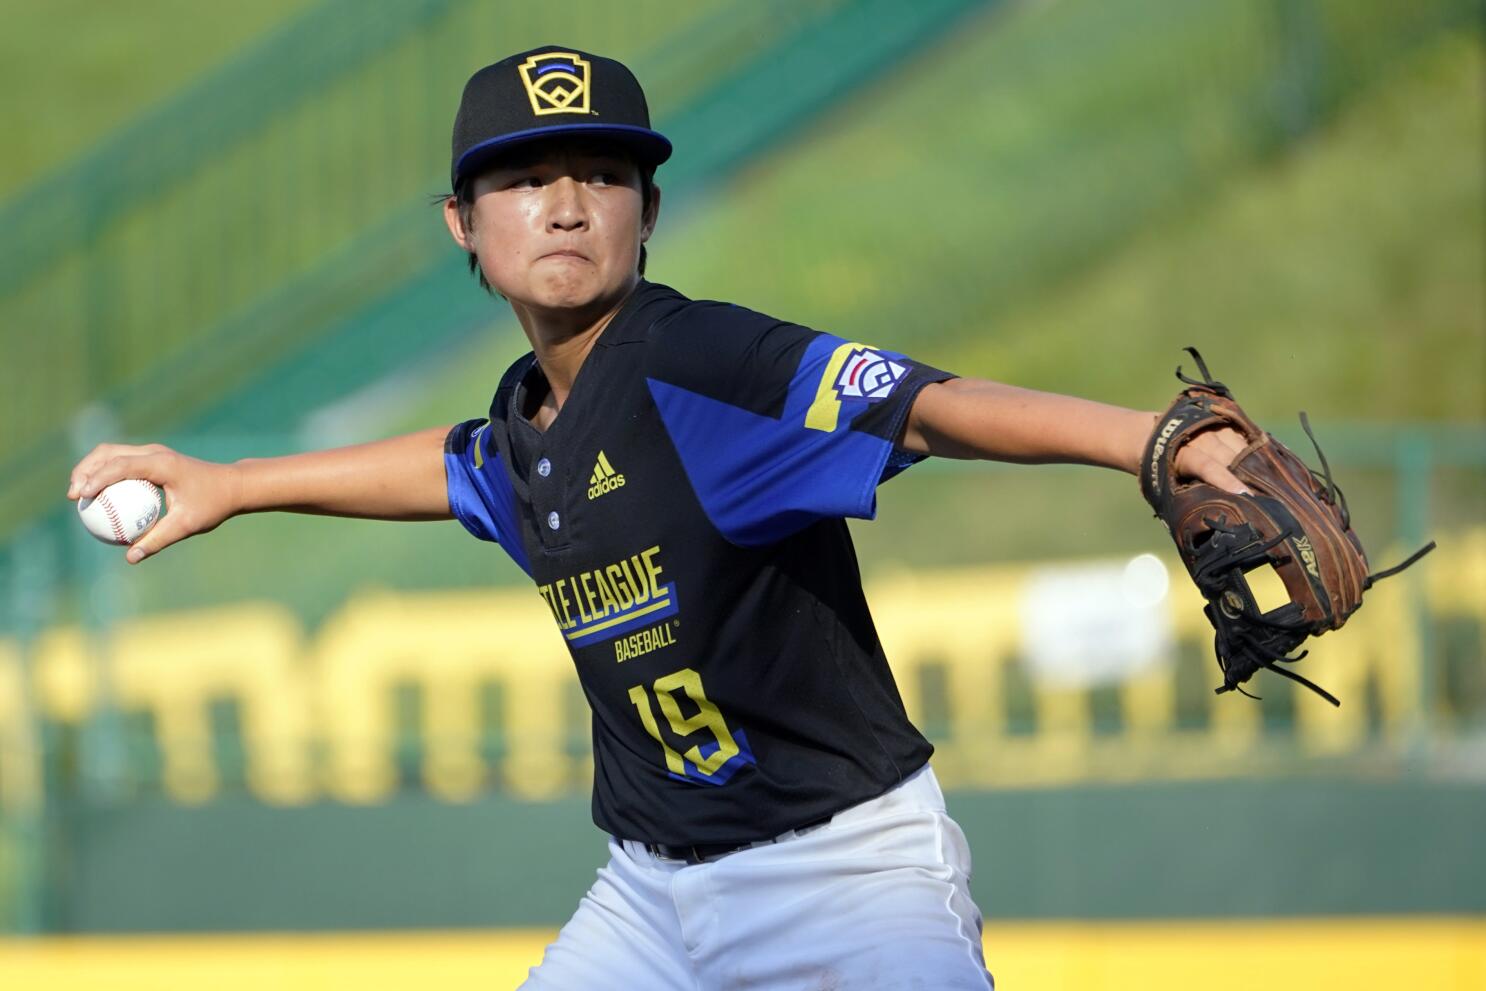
pixel 220 235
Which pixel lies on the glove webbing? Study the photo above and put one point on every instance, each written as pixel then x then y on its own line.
pixel 1221 563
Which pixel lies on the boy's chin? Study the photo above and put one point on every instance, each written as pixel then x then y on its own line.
pixel 558 294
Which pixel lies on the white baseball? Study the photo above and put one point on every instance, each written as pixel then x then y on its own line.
pixel 122 512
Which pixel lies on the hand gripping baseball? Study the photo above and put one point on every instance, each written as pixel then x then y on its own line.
pixel 199 495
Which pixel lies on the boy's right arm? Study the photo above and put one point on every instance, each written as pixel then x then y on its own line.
pixel 401 478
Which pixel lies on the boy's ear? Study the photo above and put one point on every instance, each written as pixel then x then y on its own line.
pixel 455 224
pixel 647 222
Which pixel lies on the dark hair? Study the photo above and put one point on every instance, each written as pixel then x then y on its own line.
pixel 464 199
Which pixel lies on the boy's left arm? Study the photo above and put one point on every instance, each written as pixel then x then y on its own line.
pixel 980 419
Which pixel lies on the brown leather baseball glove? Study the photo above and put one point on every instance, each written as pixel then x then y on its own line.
pixel 1296 520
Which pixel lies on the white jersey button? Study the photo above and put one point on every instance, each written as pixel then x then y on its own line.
pixel 544 468
pixel 552 521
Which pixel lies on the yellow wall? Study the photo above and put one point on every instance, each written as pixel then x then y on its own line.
pixel 1438 954
pixel 959 628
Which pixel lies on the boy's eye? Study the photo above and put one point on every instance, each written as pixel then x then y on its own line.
pixel 606 178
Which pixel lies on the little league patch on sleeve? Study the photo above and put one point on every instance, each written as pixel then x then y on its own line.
pixel 868 374
pixel 853 371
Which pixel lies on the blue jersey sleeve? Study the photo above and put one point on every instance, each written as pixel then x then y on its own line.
pixel 777 425
pixel 480 493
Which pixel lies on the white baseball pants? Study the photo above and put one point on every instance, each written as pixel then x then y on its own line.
pixel 876 898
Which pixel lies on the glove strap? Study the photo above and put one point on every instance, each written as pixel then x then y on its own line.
pixel 1207 381
pixel 1378 576
pixel 1301 679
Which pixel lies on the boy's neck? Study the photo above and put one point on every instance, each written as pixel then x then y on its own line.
pixel 562 340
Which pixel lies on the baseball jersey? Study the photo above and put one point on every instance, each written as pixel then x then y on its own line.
pixel 683 518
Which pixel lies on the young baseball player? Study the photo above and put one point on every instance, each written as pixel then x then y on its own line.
pixel 674 475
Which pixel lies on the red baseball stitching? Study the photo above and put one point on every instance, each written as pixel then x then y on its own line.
pixel 158 496
pixel 113 519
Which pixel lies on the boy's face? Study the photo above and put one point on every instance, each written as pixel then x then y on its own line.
pixel 558 225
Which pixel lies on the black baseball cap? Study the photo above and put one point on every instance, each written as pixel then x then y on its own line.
pixel 552 90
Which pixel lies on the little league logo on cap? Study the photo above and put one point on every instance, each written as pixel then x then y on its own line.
pixel 557 83
pixel 549 92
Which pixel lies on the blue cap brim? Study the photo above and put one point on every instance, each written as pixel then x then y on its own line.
pixel 651 148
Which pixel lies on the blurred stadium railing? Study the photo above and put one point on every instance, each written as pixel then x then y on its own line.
pixel 220 260
pixel 1023 675
pixel 228 768
pixel 270 230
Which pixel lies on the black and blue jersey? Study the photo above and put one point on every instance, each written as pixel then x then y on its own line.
pixel 683 520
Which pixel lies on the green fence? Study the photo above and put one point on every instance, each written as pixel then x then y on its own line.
pixel 1327 848
pixel 283 203
pixel 287 200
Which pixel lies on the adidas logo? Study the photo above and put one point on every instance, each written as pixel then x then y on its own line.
pixel 604 478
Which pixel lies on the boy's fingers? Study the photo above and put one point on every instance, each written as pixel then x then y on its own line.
pixel 1216 473
pixel 1200 464
pixel 118 468
pixel 170 529
pixel 1231 482
pixel 91 463
pixel 85 467
pixel 1232 440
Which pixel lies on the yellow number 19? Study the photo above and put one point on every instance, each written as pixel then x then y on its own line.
pixel 707 717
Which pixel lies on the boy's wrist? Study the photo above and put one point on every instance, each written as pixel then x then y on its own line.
pixel 1141 424
pixel 236 487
